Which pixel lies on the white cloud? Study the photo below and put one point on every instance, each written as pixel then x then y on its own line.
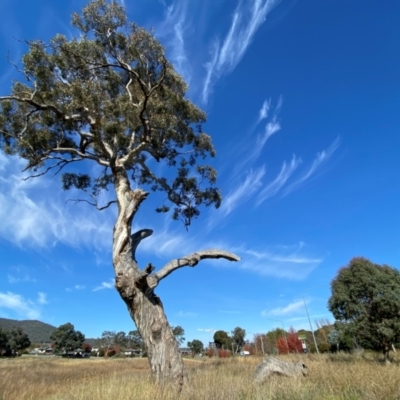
pixel 79 287
pixel 186 314
pixel 276 185
pixel 22 307
pixel 293 307
pixel 246 20
pixel 105 285
pixel 243 192
pixel 263 113
pixel 173 31
pixel 30 218
pixel 272 127
pixel 42 298
pixel 320 159
pixel 76 287
pixel 287 262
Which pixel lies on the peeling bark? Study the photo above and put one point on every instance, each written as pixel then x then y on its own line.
pixel 136 286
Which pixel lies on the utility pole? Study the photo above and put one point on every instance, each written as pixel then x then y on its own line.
pixel 312 331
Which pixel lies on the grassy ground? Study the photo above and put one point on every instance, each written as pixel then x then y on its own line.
pixel 330 378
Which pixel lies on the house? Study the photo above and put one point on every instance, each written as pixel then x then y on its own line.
pixel 185 351
pixel 133 352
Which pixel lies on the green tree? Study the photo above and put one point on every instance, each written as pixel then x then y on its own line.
pixel 222 340
pixel 196 346
pixel 120 339
pixel 111 98
pixel 238 335
pixel 179 333
pixel 366 299
pixel 17 340
pixel 3 341
pixel 135 340
pixel 66 338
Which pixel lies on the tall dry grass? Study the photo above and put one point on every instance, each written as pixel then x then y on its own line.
pixel 330 378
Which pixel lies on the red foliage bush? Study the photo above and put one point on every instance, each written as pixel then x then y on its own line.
pixel 210 352
pixel 110 352
pixel 292 344
pixel 86 347
pixel 223 353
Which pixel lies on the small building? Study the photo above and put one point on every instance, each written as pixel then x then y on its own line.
pixel 185 351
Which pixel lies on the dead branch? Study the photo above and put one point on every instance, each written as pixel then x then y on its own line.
pixel 190 260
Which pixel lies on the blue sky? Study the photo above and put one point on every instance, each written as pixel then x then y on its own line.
pixel 303 101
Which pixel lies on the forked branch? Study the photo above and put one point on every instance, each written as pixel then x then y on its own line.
pixel 191 260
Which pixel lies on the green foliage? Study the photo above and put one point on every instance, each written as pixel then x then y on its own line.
pixel 196 346
pixel 222 340
pixel 111 97
pixel 13 340
pixel 179 333
pixel 366 299
pixel 66 338
pixel 238 335
pixel 135 341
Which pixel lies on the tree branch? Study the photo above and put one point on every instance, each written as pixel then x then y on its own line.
pixel 190 260
pixel 93 204
pixel 137 237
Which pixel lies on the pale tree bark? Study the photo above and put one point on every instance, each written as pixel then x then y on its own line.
pixel 136 286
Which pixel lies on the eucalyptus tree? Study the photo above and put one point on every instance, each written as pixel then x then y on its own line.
pixel 66 338
pixel 366 303
pixel 110 97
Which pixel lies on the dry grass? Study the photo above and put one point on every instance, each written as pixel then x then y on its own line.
pixel 330 378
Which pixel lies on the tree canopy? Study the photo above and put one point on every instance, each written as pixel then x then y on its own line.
pixel 179 333
pixel 238 335
pixel 366 299
pixel 66 338
pixel 222 340
pixel 12 340
pixel 196 346
pixel 102 109
pixel 109 96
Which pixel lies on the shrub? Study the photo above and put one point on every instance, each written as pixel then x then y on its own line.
pixel 223 353
pixel 110 352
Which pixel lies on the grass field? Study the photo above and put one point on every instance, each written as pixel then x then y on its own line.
pixel 329 377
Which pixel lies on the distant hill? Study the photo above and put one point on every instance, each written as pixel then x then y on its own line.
pixel 38 332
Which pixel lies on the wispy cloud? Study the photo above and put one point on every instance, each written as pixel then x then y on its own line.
pixel 186 314
pixel 291 308
pixel 42 298
pixel 173 31
pixel 246 20
pixel 31 219
pixel 276 185
pixel 105 285
pixel 76 287
pixel 289 262
pixel 243 192
pixel 263 113
pixel 321 158
pixel 24 308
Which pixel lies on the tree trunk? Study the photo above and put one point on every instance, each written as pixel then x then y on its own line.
pixel 386 350
pixel 146 309
pixel 144 306
pixel 136 287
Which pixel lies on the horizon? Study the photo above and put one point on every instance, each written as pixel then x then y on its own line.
pixel 302 101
